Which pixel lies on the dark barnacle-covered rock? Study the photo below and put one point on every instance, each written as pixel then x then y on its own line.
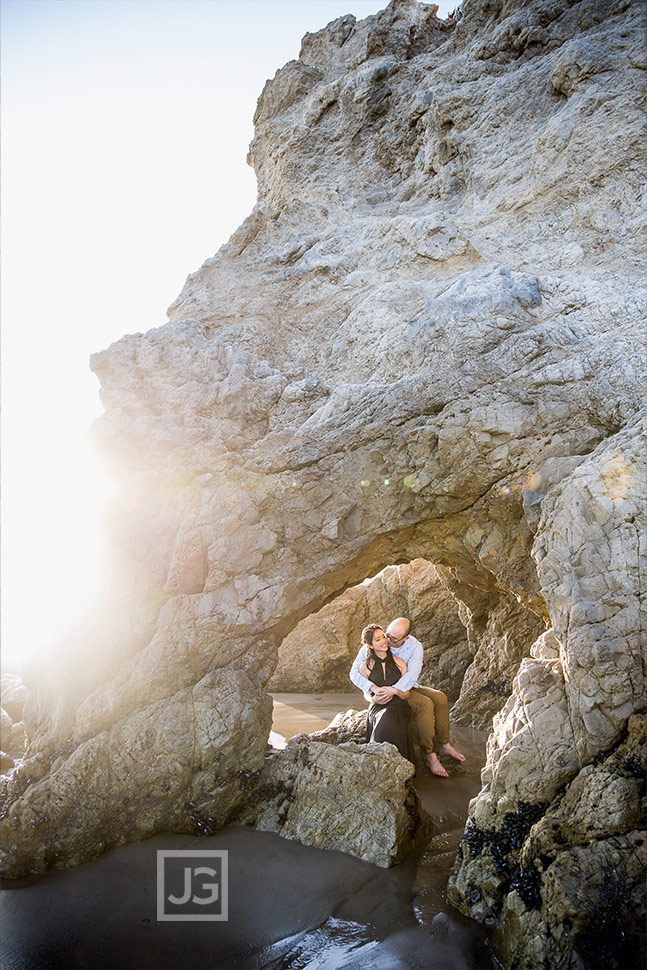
pixel 605 941
pixel 204 824
pixel 508 838
pixel 473 837
pixel 527 883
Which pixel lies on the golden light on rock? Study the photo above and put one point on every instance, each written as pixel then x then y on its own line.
pixel 615 476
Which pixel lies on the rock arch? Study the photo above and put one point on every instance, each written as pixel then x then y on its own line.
pixel 473 646
pixel 317 655
pixel 424 342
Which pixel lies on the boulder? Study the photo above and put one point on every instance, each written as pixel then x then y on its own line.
pixel 356 798
pixel 13 695
pixel 12 735
pixel 348 725
pixel 6 763
pixel 15 741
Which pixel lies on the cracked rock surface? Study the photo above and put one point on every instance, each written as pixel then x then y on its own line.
pixel 425 341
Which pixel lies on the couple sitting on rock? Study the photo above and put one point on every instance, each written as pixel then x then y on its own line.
pixel 387 668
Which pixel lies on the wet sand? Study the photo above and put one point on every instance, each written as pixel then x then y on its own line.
pixel 294 713
pixel 291 907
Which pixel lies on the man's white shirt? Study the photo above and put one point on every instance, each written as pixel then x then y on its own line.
pixel 410 652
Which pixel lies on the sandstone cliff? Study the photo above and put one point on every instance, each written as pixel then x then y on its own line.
pixel 425 341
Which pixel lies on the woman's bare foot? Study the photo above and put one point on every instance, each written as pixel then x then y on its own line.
pixel 435 766
pixel 452 752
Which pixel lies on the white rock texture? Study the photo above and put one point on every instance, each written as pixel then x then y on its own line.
pixel 427 340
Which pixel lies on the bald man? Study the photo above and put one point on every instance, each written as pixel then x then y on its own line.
pixel 429 706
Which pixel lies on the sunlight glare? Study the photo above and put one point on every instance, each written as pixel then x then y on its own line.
pixel 125 129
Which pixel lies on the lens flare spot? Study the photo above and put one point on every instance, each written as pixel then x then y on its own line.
pixel 510 488
pixel 410 481
pixel 365 483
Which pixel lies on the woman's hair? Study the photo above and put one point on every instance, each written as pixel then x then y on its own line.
pixel 367 636
pixel 369 632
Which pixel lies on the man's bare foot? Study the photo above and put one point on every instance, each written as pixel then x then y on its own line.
pixel 435 766
pixel 452 752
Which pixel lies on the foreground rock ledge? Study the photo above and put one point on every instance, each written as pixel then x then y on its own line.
pixel 426 341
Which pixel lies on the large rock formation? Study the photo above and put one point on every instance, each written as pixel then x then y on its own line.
pixel 425 341
pixel 317 655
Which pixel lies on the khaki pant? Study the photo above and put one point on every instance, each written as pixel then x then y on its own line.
pixel 431 711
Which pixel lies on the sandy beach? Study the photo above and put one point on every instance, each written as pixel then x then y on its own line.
pixel 291 907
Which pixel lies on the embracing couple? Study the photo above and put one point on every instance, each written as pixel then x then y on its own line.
pixel 387 669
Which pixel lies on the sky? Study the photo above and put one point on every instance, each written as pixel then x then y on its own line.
pixel 125 126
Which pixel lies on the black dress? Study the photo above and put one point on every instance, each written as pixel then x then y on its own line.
pixel 388 722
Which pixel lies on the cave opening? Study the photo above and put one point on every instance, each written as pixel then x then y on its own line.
pixel 473 641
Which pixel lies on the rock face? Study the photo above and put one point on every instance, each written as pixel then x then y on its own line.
pixel 574 869
pixel 356 798
pixel 13 695
pixel 424 342
pixel 500 634
pixel 317 655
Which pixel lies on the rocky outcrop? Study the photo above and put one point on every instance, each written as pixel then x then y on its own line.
pixel 501 633
pixel 317 655
pixel 13 695
pixel 356 798
pixel 425 342
pixel 571 701
pixel 573 869
pixel 167 791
